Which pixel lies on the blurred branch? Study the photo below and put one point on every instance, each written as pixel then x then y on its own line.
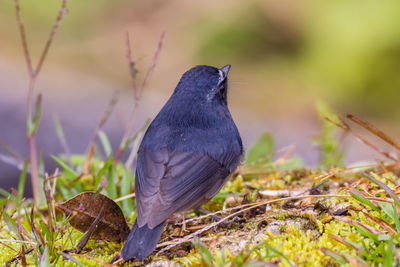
pixel 106 114
pixel 61 138
pixel 12 161
pixel 32 125
pixel 23 38
pixel 368 126
pixel 126 140
pixel 346 127
pixel 132 69
pixel 10 150
pixel 155 61
pixel 61 13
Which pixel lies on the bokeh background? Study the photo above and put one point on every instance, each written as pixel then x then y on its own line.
pixel 286 56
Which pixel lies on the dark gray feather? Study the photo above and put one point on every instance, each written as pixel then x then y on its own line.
pixel 167 182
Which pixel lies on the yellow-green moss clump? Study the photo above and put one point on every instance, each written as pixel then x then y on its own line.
pixel 283 233
pixel 301 247
pixel 304 249
pixel 101 251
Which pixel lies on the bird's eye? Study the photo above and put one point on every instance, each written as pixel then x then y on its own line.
pixel 222 89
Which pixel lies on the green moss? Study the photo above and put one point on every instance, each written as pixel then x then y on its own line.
pixel 295 234
pixel 103 251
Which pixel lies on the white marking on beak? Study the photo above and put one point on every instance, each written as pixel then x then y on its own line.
pixel 223 72
pixel 226 69
pixel 221 76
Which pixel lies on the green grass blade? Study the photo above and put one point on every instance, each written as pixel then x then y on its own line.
pixel 70 172
pixel 339 259
pixel 277 252
pixel 21 183
pixel 45 259
pixel 105 143
pixel 126 185
pixel 111 183
pixel 34 124
pixel 103 170
pixel 360 198
pixel 264 147
pixel 384 187
pixel 390 210
pixel 4 193
pixel 331 153
pixel 389 255
pixel 366 233
pixel 11 224
pixel 204 253
pixel 61 136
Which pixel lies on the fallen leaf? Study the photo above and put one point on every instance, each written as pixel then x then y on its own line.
pixel 84 209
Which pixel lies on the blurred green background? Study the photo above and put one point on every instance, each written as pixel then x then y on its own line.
pixel 286 55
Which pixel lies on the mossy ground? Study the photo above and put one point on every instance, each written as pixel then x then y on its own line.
pixel 299 229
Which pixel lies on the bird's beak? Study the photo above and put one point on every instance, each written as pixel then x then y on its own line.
pixel 226 69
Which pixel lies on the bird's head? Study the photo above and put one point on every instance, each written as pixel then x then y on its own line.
pixel 206 83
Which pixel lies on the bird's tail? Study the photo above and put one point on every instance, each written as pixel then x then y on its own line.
pixel 141 241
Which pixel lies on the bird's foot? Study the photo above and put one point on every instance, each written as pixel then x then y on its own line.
pixel 216 217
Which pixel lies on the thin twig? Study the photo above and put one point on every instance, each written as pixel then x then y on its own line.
pixel 125 197
pixel 33 73
pixel 9 247
pixel 137 91
pixel 132 69
pixel 13 161
pixel 249 206
pixel 92 227
pixel 252 206
pixel 69 257
pixel 18 257
pixel 12 151
pixel 62 139
pixel 358 223
pixel 33 228
pixel 61 13
pixel 116 259
pixel 23 37
pixel 342 240
pixel 382 223
pixel 33 162
pixel 347 128
pixel 106 114
pixel 385 187
pixel 374 130
pixel 155 61
pixel 136 143
pixel 20 229
pixel 16 241
pixel 88 161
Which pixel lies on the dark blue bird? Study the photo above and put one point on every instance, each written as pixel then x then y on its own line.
pixel 186 155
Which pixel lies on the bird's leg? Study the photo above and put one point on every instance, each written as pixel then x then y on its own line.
pixel 216 217
pixel 178 219
pixel 183 228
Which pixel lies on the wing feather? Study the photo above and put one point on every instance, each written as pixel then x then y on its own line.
pixel 167 182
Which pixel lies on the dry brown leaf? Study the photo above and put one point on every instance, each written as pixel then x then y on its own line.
pixel 85 207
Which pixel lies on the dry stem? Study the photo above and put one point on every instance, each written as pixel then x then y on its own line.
pixel 137 91
pixel 248 207
pixel 33 73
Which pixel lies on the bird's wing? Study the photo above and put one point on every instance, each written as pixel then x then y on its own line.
pixel 167 182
